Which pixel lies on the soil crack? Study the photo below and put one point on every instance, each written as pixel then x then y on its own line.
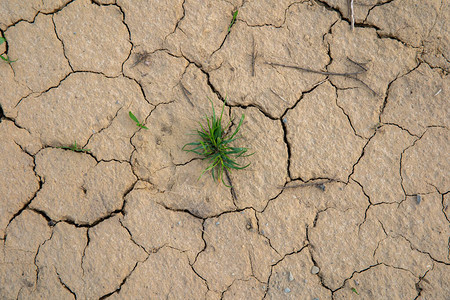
pixel 65 285
pixel 62 43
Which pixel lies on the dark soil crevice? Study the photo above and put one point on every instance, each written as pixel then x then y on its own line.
pixel 27 204
pixel 88 240
pixel 310 248
pixel 260 232
pixel 346 114
pixel 276 263
pixel 423 252
pixel 56 10
pixel 368 206
pixel 402 128
pixel 401 165
pixel 187 211
pixel 386 97
pixel 45 91
pixel 132 239
pixel 356 272
pixel 288 148
pixel 121 284
pixel 418 284
pixel 2 115
pixel 65 285
pixel 361 156
pixel 122 12
pixel 36 255
pixel 204 243
pixel 62 43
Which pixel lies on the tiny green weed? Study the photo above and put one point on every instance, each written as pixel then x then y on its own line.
pixel 74 147
pixel 5 57
pixel 138 124
pixel 233 20
pixel 354 291
pixel 214 145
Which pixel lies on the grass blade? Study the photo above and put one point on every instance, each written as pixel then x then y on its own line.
pixel 214 145
pixel 133 117
pixel 233 20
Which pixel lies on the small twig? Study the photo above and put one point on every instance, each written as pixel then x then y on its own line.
pixel 350 75
pixel 315 71
pixel 186 93
pixel 254 54
pixel 361 65
pixel 278 95
pixel 351 12
pixel 305 184
pixel 319 83
pixel 363 83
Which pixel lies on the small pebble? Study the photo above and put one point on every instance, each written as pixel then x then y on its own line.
pixel 316 299
pixel 287 290
pixel 290 277
pixel 418 199
pixel 314 270
pixel 179 223
pixel 284 120
pixel 217 223
pixel 262 232
pixel 356 282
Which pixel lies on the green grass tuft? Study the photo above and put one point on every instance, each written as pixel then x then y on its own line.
pixel 75 148
pixel 214 146
pixel 233 20
pixel 138 124
pixel 5 57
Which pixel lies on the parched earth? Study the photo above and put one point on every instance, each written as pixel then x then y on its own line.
pixel 346 196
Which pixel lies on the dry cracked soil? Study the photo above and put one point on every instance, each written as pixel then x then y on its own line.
pixel 346 196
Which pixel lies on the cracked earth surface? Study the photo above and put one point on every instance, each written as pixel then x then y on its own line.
pixel 346 196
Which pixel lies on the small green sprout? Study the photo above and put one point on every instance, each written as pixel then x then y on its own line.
pixel 138 124
pixel 233 20
pixel 214 145
pixel 354 291
pixel 5 58
pixel 75 148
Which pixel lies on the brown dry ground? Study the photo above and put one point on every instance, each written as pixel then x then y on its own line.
pixel 347 193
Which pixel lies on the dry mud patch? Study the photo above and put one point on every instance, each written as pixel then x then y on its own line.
pixel 346 196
